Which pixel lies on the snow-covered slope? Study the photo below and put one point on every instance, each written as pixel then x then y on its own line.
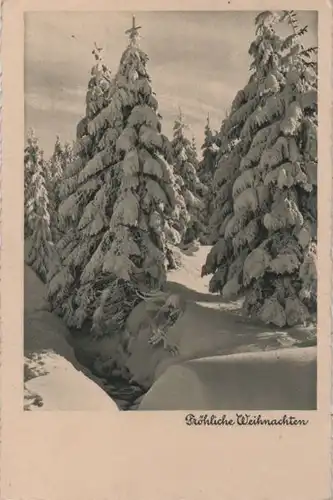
pixel 54 380
pixel 208 326
pixel 283 379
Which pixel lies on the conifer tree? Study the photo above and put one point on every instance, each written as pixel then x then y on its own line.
pixel 268 244
pixel 193 153
pixel 67 155
pixel 32 155
pixel 191 187
pixel 120 193
pixel 39 246
pixel 206 170
pixel 207 165
pixel 239 124
pixel 67 158
pixel 143 215
pixel 56 164
pixel 53 178
pixel 85 198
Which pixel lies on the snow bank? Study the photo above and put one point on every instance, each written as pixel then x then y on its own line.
pixel 63 387
pixel 52 374
pixel 277 380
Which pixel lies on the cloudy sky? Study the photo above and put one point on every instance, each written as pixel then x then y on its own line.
pixel 198 60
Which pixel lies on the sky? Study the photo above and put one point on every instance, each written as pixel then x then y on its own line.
pixel 197 61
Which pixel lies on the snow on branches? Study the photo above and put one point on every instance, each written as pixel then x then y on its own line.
pixel 146 198
pixel 85 198
pixel 39 249
pixel 265 183
pixel 191 188
pixel 117 197
pixel 206 171
pixel 61 157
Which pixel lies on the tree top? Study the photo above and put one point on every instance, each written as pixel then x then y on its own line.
pixel 97 52
pixel 133 32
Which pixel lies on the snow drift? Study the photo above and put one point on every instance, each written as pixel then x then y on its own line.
pixel 54 380
pixel 277 380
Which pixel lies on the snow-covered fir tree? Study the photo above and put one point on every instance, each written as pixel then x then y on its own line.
pixel 39 249
pixel 268 221
pixel 143 218
pixel 67 158
pixel 206 170
pixel 193 153
pixel 191 188
pixel 121 195
pixel 67 155
pixel 55 167
pixel 57 170
pixel 60 157
pixel 87 194
pixel 239 124
pixel 32 154
pixel 61 160
pixel 207 165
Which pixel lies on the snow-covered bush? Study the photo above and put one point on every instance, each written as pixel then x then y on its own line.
pixel 267 224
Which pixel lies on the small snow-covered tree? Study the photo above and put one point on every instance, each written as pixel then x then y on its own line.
pixel 192 189
pixel 39 246
pixel 32 154
pixel 193 153
pixel 268 249
pixel 207 165
pixel 67 155
pixel 54 175
pixel 67 159
pixel 57 162
pixel 206 169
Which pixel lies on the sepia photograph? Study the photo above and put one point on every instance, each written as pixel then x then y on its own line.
pixel 166 277
pixel 170 210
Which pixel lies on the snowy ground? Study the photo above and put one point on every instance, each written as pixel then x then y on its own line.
pixel 280 379
pixel 208 327
pixel 53 378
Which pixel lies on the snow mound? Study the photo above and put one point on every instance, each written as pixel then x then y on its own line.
pixel 54 380
pixel 276 380
pixel 63 387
